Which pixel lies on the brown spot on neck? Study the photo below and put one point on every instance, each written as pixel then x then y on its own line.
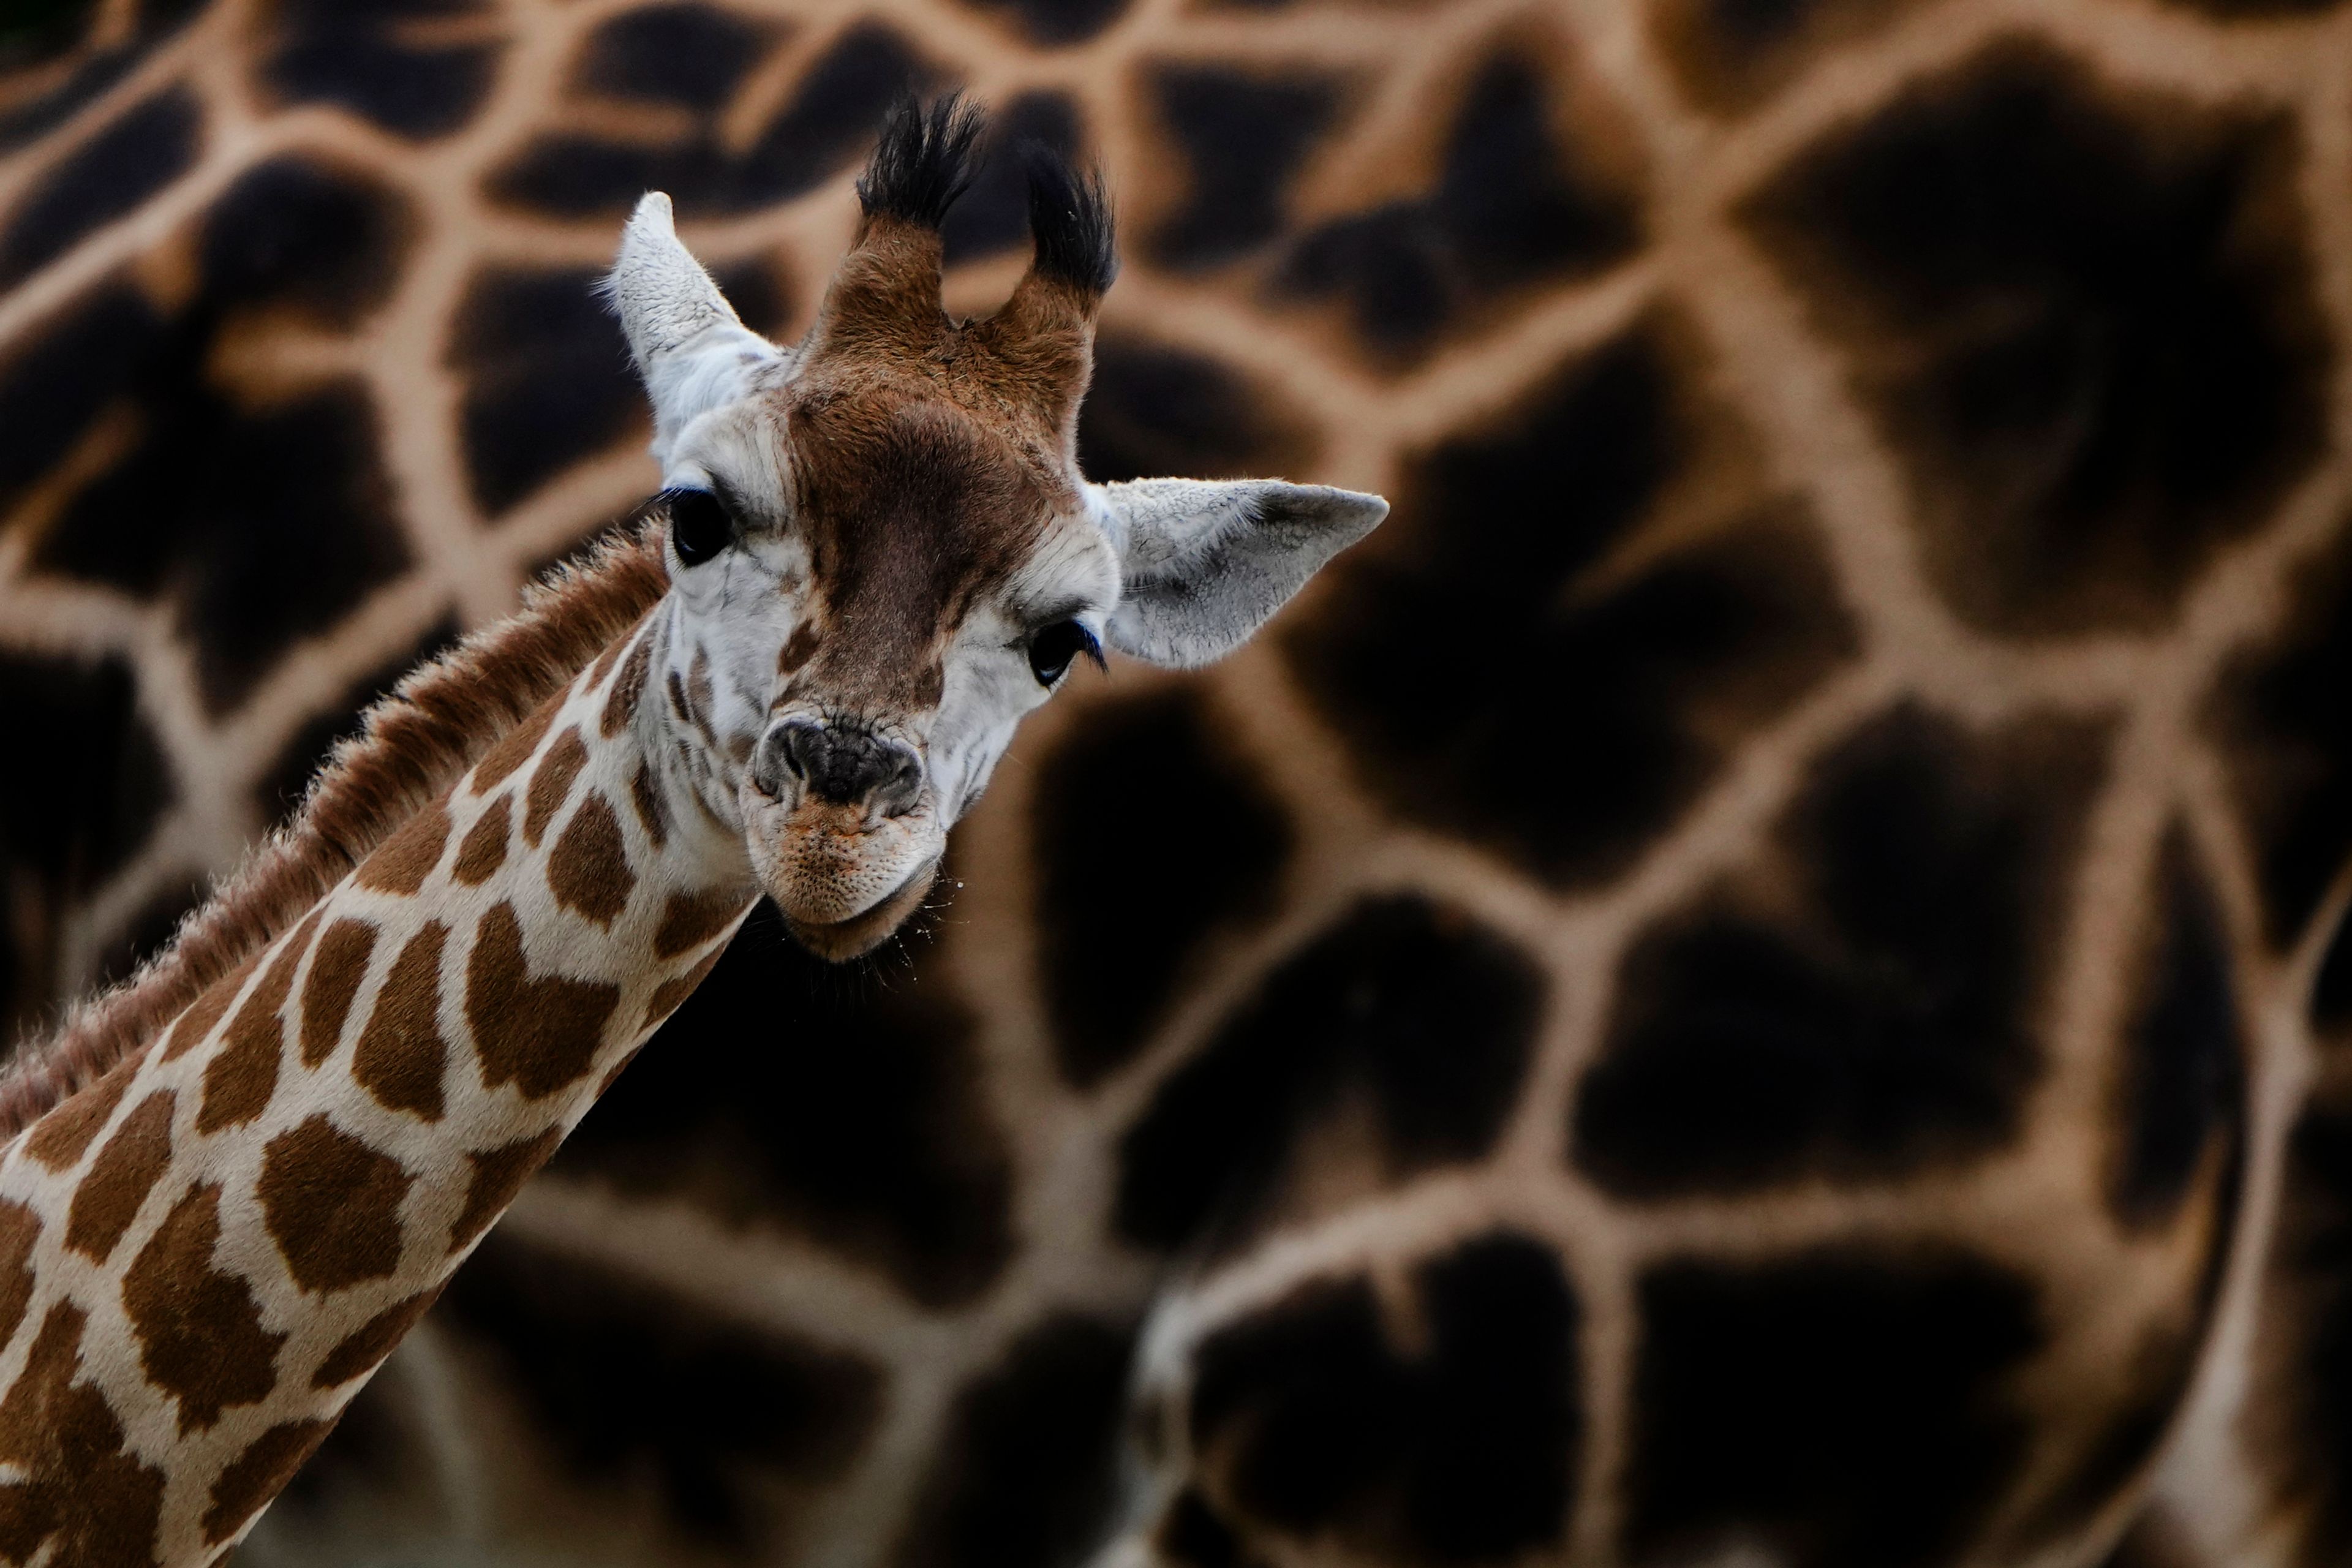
pixel 551 784
pixel 588 869
pixel 496 1177
pixel 78 1487
pixel 690 919
pixel 403 864
pixel 484 850
pixel 119 1180
pixel 510 754
pixel 332 1205
pixel 539 1033
pixel 240 1078
pixel 671 994
pixel 19 1228
pixel 199 1331
pixel 334 979
pixel 644 798
pixel 620 702
pixel 60 1139
pixel 401 1056
pixel 363 1349
pixel 199 1020
pixel 248 1483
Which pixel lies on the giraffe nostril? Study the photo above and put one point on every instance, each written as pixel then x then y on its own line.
pixel 792 743
pixel 845 766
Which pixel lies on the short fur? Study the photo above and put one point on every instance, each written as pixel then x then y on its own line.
pixel 413 745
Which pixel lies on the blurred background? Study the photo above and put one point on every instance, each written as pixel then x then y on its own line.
pixel 1865 598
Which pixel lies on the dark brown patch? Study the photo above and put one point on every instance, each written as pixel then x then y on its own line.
pixel 119 1179
pixel 199 1329
pixel 198 1020
pixel 1868 1002
pixel 539 1035
pixel 333 1206
pixel 646 799
pixel 1312 1424
pixel 248 1482
pixel 514 750
pixel 2103 368
pixel 620 702
pixel 80 1486
pixel 551 784
pixel 334 979
pixel 402 865
pixel 401 1055
pixel 2179 1066
pixel 1730 55
pixel 1025 1469
pixel 671 993
pixel 887 1152
pixel 1148 791
pixel 1663 606
pixel 1849 1405
pixel 61 1136
pixel 484 850
pixel 589 867
pixel 798 649
pixel 705 697
pixel 638 1387
pixel 683 703
pixel 690 919
pixel 498 1175
pixel 2279 717
pixel 19 1228
pixel 240 1081
pixel 364 1347
pixel 906 509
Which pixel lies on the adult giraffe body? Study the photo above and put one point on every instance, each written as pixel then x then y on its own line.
pixel 879 557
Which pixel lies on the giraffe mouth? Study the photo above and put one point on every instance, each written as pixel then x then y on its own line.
pixel 838 942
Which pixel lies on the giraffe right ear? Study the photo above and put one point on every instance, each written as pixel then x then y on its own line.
pixel 691 352
pixel 1203 562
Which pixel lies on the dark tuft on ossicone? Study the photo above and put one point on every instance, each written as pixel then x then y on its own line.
pixel 1070 221
pixel 923 161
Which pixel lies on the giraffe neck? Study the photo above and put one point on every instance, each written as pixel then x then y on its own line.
pixel 205 1255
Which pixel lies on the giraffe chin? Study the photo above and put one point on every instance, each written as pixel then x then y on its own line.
pixel 838 942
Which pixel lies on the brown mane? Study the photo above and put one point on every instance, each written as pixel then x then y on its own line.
pixel 412 744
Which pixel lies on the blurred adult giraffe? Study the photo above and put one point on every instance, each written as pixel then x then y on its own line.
pixel 1752 981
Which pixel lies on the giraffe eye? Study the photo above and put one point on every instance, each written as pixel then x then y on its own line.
pixel 1052 650
pixel 699 527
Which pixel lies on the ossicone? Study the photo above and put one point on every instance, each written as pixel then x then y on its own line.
pixel 923 160
pixel 1070 222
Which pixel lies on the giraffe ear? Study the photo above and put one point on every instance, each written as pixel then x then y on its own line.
pixel 691 352
pixel 1204 563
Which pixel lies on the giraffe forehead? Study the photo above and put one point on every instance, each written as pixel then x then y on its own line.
pixel 912 510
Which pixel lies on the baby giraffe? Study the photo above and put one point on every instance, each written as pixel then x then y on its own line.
pixel 233 1185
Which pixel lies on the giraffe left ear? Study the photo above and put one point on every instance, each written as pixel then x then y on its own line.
pixel 1203 563
pixel 692 352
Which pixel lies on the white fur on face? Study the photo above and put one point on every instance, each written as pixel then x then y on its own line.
pixel 730 618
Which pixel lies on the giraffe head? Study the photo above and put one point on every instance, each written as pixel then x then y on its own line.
pixel 882 551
